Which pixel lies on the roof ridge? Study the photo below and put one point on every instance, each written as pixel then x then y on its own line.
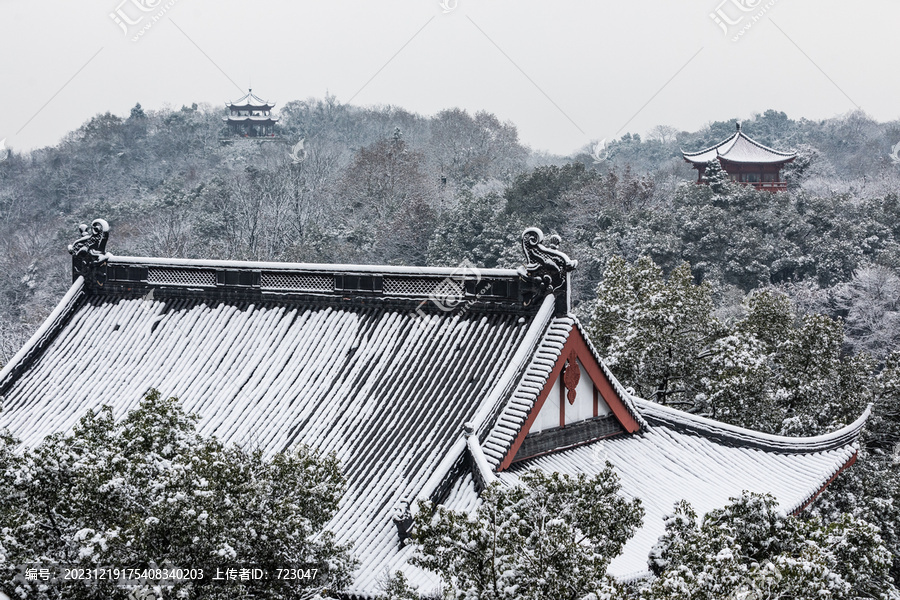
pixel 764 147
pixel 292 266
pixel 848 434
pixel 544 273
pixel 509 419
pixel 713 147
pixel 504 388
pixel 730 143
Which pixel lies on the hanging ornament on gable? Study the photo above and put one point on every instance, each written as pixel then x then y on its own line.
pixel 571 377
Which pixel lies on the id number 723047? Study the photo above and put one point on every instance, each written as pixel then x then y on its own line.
pixel 296 573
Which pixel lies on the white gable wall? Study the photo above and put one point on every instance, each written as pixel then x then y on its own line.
pixel 583 406
pixel 580 410
pixel 548 418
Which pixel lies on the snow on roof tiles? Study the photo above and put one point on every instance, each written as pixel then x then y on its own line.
pixel 663 464
pixel 385 389
pixel 739 148
pixel 336 356
pixel 249 100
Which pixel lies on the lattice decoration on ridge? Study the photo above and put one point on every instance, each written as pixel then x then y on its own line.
pixel 298 281
pixel 170 276
pixel 408 286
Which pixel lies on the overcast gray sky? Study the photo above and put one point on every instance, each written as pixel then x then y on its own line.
pixel 564 72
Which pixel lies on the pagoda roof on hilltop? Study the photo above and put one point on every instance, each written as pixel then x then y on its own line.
pixel 250 101
pixel 739 148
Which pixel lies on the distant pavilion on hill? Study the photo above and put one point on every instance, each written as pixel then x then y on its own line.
pixel 251 116
pixel 745 160
pixel 428 383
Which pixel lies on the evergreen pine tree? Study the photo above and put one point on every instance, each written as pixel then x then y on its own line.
pixel 715 176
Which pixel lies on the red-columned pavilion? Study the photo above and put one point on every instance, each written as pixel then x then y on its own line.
pixel 251 116
pixel 746 160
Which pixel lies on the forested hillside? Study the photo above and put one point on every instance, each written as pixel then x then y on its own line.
pixel 382 185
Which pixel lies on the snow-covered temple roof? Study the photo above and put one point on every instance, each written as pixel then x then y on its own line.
pixel 250 101
pixel 426 383
pixel 739 148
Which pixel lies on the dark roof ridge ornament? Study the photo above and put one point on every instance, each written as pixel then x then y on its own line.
pixel 89 250
pixel 547 268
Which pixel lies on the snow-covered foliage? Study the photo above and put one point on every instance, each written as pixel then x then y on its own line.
pixel 811 386
pixel 871 489
pixel 477 229
pixel 147 489
pixel 749 549
pixel 769 370
pixel 716 177
pixel 651 332
pixel 396 587
pixel 871 303
pixel 551 536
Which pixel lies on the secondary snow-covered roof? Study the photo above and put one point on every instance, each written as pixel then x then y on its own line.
pixel 739 148
pixel 670 460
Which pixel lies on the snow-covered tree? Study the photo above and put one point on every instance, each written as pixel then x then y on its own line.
pixel 786 374
pixel 396 587
pixel 548 537
pixel 478 231
pixel 750 549
pixel 769 370
pixel 737 383
pixel 148 490
pixel 871 303
pixel 871 489
pixel 715 176
pixel 471 149
pixel 652 332
pixel 385 192
pixel 539 196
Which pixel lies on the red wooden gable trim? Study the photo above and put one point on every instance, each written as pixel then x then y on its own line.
pixel 576 346
pixel 850 462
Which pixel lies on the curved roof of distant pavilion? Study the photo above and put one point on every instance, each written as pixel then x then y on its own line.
pixel 739 148
pixel 250 101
